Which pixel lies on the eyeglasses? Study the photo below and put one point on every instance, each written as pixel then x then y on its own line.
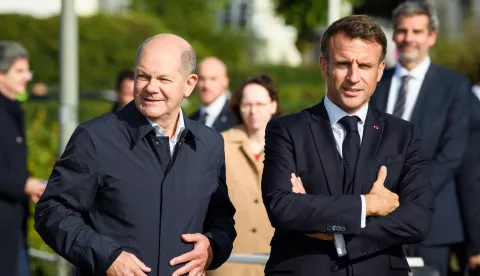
pixel 247 107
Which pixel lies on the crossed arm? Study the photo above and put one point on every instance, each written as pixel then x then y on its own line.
pixel 389 225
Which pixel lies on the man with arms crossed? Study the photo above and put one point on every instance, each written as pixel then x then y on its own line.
pixel 355 216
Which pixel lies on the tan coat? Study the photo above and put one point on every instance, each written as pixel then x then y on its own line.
pixel 254 230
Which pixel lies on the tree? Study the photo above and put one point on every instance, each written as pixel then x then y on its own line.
pixel 195 21
pixel 306 16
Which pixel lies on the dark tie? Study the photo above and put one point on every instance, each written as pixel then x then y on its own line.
pixel 350 147
pixel 402 97
pixel 203 117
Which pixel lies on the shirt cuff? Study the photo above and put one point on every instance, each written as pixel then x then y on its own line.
pixel 363 222
pixel 340 245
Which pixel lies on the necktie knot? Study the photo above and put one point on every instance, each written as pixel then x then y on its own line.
pixel 350 123
pixel 203 117
pixel 406 79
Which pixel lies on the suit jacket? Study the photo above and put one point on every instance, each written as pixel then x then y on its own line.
pixel 13 175
pixel 254 230
pixel 109 192
pixel 303 143
pixel 468 182
pixel 224 121
pixel 441 113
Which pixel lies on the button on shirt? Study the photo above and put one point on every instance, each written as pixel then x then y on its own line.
pixel 414 86
pixel 335 113
pixel 214 109
pixel 160 131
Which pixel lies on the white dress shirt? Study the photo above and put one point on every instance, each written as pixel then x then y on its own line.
pixel 335 113
pixel 214 109
pixel 160 131
pixel 414 85
pixel 476 91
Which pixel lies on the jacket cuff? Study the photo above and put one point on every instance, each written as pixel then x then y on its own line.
pixel 112 258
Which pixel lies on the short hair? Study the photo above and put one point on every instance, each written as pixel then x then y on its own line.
pixel 263 80
pixel 411 8
pixel 355 26
pixel 189 61
pixel 126 74
pixel 188 58
pixel 9 52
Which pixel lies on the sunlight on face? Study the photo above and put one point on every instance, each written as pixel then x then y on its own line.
pixel 352 71
pixel 413 39
pixel 256 108
pixel 159 87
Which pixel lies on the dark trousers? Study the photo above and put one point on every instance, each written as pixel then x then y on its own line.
pixel 23 260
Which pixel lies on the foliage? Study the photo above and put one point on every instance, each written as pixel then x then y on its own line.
pixel 461 54
pixel 306 16
pixel 108 44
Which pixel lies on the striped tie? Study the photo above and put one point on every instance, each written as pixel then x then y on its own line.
pixel 402 97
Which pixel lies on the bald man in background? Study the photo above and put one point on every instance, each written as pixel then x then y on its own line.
pixel 213 93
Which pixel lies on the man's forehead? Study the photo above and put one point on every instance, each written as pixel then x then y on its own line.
pixel 415 21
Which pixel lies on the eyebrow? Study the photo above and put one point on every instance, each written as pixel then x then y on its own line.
pixel 141 71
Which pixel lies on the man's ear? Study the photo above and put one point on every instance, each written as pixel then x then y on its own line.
pixel 324 66
pixel 190 83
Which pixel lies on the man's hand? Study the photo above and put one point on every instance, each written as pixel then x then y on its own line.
pixel 322 236
pixel 297 187
pixel 197 260
pixel 127 264
pixel 474 262
pixel 34 188
pixel 380 201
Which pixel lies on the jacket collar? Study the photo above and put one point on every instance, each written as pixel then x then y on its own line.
pixel 138 126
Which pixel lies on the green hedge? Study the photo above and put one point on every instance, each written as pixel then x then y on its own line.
pixel 299 88
pixel 107 44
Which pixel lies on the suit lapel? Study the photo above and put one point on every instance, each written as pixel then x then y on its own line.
pixel 325 144
pixel 380 97
pixel 372 136
pixel 423 97
pixel 222 118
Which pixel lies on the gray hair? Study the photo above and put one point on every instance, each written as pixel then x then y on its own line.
pixel 188 58
pixel 9 52
pixel 411 8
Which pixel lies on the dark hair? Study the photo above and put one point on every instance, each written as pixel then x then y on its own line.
pixel 355 26
pixel 127 74
pixel 263 80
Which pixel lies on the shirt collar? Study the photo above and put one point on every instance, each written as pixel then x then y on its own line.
pixel 335 113
pixel 476 91
pixel 216 106
pixel 417 73
pixel 160 131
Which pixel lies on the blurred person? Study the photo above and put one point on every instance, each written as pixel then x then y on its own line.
pixel 253 105
pixel 367 188
pixel 16 187
pixel 124 89
pixel 214 95
pixel 436 100
pixel 142 191
pixel 468 183
pixel 39 91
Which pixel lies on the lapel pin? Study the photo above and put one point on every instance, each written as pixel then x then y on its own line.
pixel 375 127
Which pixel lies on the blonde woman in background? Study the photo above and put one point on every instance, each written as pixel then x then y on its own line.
pixel 254 104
